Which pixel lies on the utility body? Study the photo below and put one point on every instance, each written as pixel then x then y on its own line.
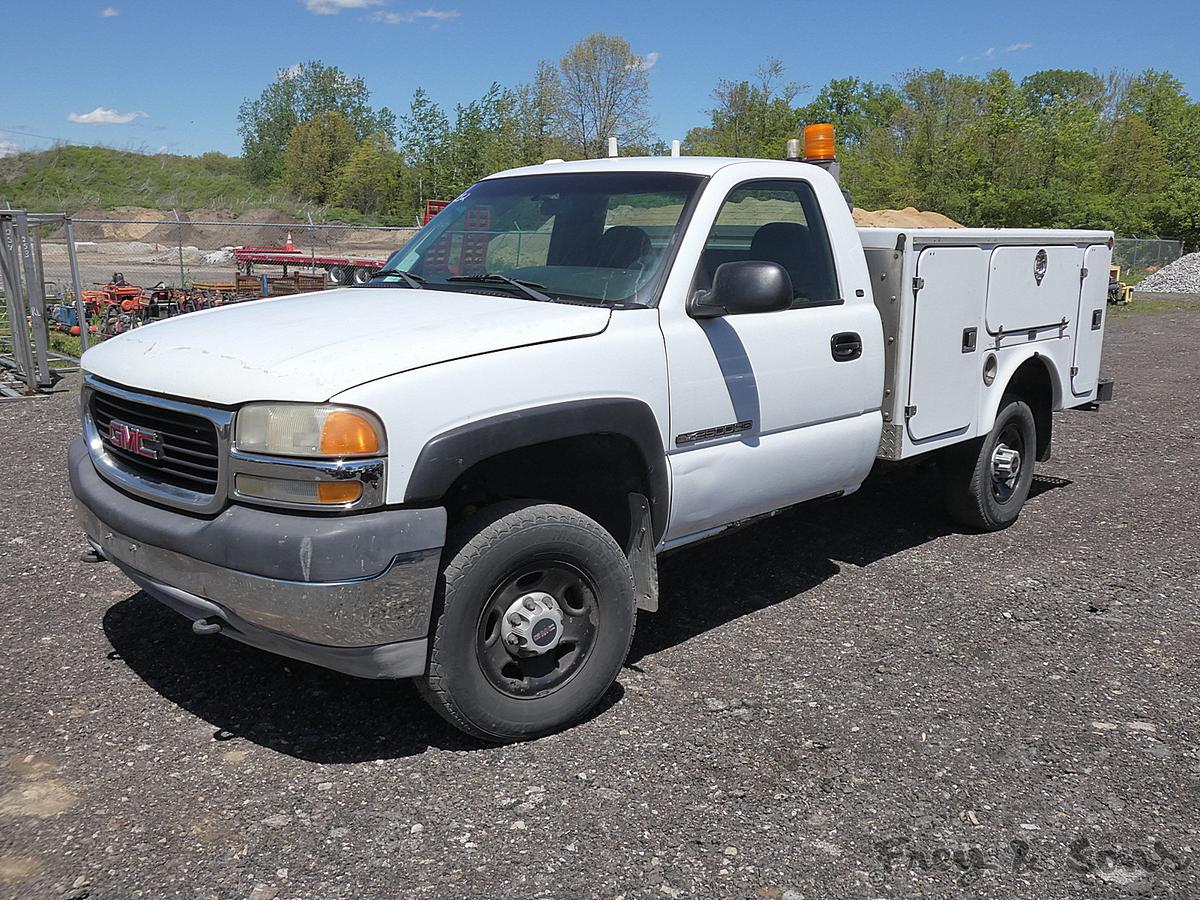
pixel 462 471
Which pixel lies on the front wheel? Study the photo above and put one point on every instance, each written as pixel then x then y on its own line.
pixel 534 619
pixel 988 481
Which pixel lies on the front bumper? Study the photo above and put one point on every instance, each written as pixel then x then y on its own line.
pixel 352 593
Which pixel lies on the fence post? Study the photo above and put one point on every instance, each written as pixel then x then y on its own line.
pixel 77 286
pixel 35 292
pixel 312 243
pixel 179 223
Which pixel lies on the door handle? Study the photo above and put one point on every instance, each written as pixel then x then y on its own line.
pixel 845 346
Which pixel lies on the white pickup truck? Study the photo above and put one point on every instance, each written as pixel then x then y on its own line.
pixel 462 471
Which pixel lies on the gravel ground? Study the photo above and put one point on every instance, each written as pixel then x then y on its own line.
pixel 848 700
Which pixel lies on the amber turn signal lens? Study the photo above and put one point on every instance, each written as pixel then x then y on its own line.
pixel 819 143
pixel 338 491
pixel 348 434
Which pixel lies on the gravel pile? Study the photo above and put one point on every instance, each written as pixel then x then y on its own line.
pixel 1180 277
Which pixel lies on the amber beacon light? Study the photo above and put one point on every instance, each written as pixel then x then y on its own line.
pixel 819 143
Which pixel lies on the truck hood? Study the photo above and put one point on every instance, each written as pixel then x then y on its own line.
pixel 314 346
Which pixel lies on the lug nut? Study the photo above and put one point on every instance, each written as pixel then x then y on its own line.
pixel 514 640
pixel 529 604
pixel 514 619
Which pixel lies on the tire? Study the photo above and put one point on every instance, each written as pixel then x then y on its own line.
pixel 338 275
pixel 505 555
pixel 976 493
pixel 360 275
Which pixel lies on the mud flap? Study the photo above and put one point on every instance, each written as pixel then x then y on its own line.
pixel 639 549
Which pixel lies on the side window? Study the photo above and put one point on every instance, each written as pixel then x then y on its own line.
pixel 780 222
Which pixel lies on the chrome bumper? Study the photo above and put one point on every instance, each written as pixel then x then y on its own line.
pixel 344 592
pixel 357 612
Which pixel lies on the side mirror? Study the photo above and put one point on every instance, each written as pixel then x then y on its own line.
pixel 746 286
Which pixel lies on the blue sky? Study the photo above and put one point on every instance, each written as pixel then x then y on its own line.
pixel 171 74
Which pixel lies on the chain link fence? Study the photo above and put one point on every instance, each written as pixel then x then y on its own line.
pixel 67 282
pixel 178 254
pixel 1139 257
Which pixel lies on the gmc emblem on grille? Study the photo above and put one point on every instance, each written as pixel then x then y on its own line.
pixel 132 439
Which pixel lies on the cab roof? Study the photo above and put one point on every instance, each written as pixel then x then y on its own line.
pixel 681 165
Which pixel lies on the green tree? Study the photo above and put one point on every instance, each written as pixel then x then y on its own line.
pixel 425 131
pixel 750 119
pixel 315 151
pixel 856 108
pixel 372 179
pixel 1159 99
pixel 937 108
pixel 297 95
pixel 536 133
pixel 1060 87
pixel 603 92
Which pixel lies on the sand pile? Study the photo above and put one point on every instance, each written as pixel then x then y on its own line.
pixel 155 226
pixel 909 217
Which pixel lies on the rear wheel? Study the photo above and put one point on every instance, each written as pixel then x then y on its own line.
pixel 988 481
pixel 535 615
pixel 361 275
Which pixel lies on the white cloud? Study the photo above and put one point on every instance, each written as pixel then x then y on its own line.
pixel 8 148
pixel 1020 45
pixel 650 60
pixel 436 16
pixel 989 52
pixel 333 7
pixel 102 116
pixel 290 72
pixel 110 12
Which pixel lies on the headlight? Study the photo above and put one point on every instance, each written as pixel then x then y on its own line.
pixel 299 429
pixel 315 456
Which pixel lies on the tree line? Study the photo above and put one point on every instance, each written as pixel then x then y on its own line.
pixel 1058 148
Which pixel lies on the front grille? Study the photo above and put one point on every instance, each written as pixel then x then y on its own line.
pixel 189 458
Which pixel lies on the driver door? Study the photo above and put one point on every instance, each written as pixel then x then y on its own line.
pixel 765 411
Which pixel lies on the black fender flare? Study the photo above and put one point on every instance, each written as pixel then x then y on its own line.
pixel 448 455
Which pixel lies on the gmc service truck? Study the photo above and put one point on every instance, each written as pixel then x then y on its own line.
pixel 462 471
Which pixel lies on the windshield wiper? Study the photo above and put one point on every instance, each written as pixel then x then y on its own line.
pixel 528 288
pixel 412 280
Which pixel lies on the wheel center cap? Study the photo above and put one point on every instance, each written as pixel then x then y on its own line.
pixel 532 625
pixel 1006 463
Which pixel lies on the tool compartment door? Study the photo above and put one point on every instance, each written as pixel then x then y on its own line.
pixel 1032 287
pixel 945 377
pixel 1089 332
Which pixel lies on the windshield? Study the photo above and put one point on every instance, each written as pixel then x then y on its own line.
pixel 597 237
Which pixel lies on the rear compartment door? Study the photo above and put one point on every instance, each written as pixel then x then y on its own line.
pixel 1089 333
pixel 944 382
pixel 1032 288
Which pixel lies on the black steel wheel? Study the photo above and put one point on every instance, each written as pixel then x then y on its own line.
pixel 534 616
pixel 987 481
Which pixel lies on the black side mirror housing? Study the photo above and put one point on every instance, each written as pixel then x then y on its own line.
pixel 745 286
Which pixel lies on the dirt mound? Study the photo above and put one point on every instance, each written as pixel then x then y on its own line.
pixel 213 237
pixel 130 223
pixel 909 217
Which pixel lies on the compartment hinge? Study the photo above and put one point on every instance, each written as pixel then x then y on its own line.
pixel 918 283
pixel 909 412
pixel 1083 273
